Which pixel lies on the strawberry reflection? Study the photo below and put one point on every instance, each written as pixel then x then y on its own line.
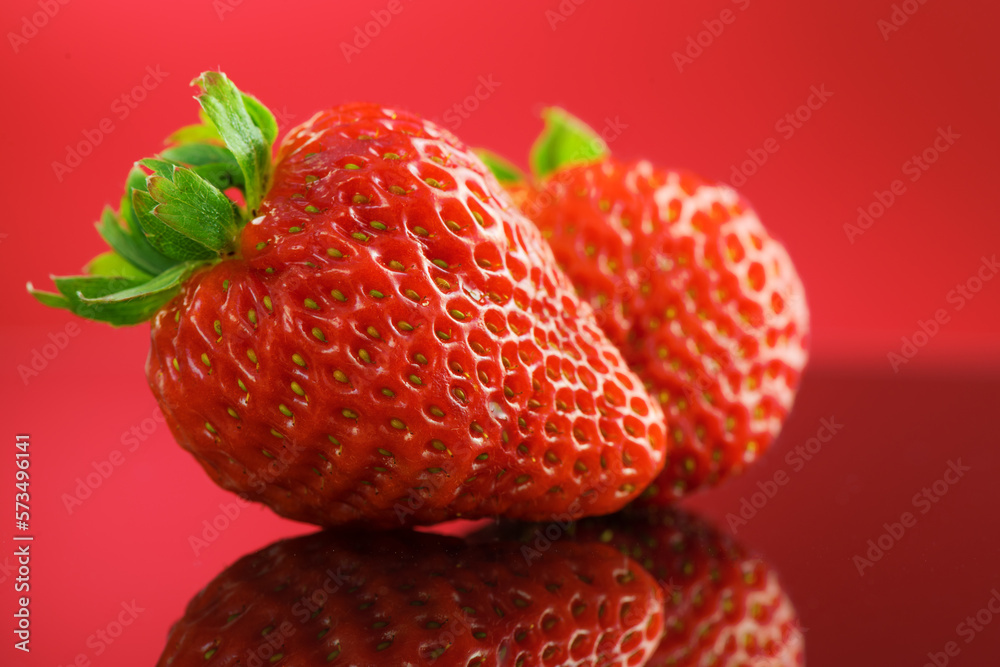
pixel 404 598
pixel 723 606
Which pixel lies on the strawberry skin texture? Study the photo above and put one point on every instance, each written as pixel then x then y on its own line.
pixel 394 343
pixel 401 598
pixel 704 304
pixel 723 606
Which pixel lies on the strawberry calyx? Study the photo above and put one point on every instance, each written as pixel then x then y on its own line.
pixel 564 141
pixel 505 171
pixel 182 209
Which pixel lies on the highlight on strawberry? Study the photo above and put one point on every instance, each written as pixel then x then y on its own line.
pixel 704 304
pixel 408 598
pixel 364 328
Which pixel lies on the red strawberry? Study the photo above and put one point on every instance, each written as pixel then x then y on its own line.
pixel 724 607
pixel 414 599
pixel 378 337
pixel 704 304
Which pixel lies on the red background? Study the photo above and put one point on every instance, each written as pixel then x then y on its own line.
pixel 889 97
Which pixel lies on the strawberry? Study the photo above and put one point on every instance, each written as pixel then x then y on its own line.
pixel 724 606
pixel 366 330
pixel 401 598
pixel 703 303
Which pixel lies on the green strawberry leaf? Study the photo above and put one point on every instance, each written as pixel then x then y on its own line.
pixel 160 167
pixel 222 175
pixel 93 287
pixel 48 298
pixel 195 154
pixel 163 285
pixel 262 118
pixel 119 301
pixel 247 128
pixel 136 180
pixel 131 244
pixel 506 172
pixel 176 216
pixel 161 236
pixel 215 164
pixel 74 289
pixel 112 265
pixel 192 206
pixel 197 133
pixel 565 140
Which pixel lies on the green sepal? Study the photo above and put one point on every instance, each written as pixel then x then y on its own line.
pixel 136 180
pixel 196 133
pixel 93 287
pixel 177 217
pixel 263 119
pixel 565 140
pixel 161 287
pixel 247 128
pixel 222 175
pixel 194 154
pixel 215 164
pixel 117 300
pixel 131 244
pixel 159 167
pixel 161 236
pixel 112 265
pixel 192 206
pixel 505 171
pixel 48 298
pixel 74 289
